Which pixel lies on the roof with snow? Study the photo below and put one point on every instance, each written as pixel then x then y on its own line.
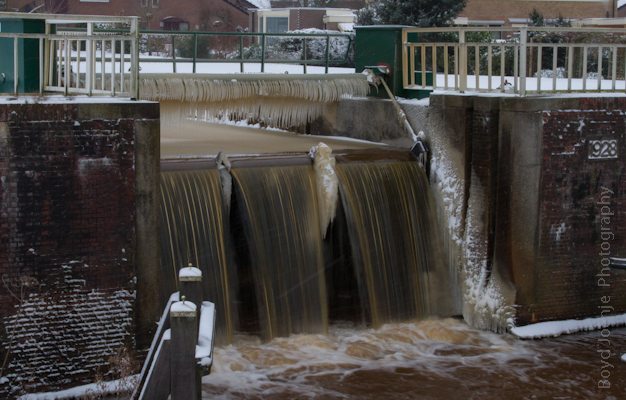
pixel 263 4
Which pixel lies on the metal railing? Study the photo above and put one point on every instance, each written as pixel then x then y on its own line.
pixel 59 54
pixel 531 60
pixel 92 61
pixel 236 46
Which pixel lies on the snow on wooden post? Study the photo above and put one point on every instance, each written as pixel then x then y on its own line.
pixel 184 328
pixel 190 284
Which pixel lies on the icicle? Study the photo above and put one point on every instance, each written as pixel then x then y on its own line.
pixel 277 112
pixel 202 88
pixel 223 165
pixel 327 184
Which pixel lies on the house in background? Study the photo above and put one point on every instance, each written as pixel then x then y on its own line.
pixel 42 6
pixel 621 9
pixel 497 13
pixel 173 15
pixel 279 20
pixel 351 4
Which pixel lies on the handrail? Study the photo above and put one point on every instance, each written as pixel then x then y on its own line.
pixel 520 62
pixel 87 60
pixel 56 72
pixel 326 61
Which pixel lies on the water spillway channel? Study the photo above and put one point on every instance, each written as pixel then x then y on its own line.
pixel 272 271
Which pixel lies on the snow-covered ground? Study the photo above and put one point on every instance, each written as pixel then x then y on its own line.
pixel 185 66
pixel 557 328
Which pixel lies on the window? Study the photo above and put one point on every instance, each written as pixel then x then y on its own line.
pixel 277 24
pixel 144 3
pixel 260 24
pixel 174 24
pixel 155 3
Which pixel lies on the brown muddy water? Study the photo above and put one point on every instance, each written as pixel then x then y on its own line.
pixel 432 359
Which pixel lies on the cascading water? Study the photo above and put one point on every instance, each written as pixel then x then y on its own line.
pixel 280 215
pixel 380 260
pixel 395 242
pixel 193 230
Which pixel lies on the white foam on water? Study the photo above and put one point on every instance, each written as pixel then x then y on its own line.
pixel 439 359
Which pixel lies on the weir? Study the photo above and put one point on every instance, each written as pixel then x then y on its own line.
pixel 275 272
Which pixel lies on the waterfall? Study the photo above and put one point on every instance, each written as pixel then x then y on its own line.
pixel 270 270
pixel 194 230
pixel 281 223
pixel 395 242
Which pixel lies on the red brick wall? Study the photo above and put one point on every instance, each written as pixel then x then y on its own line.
pixel 303 19
pixel 538 200
pixel 67 219
pixel 571 216
pixel 501 10
pixel 193 12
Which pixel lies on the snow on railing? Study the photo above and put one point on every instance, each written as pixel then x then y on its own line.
pixel 530 60
pixel 83 55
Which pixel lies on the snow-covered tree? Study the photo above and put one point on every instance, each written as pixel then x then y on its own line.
pixel 421 13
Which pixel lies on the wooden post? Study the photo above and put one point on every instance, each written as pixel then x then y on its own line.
pixel 190 285
pixel 183 377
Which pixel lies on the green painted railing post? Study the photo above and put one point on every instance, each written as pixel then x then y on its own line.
pixel 304 53
pixel 241 52
pixel 327 53
pixel 195 51
pixel 174 52
pixel 263 53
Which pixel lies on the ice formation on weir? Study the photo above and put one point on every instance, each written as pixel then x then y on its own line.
pixel 273 111
pixel 487 299
pixel 448 191
pixel 274 99
pixel 214 88
pixel 223 166
pixel 327 184
pixel 480 294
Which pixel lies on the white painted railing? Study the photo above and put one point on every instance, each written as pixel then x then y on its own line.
pixel 78 63
pixel 516 65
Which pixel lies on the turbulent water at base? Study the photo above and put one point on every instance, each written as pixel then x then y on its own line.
pixel 430 359
pixel 194 231
pixel 281 223
pixel 395 242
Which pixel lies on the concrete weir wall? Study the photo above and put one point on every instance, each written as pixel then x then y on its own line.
pixel 78 212
pixel 530 196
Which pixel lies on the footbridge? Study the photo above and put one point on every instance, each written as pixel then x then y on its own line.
pixel 288 77
pixel 110 55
